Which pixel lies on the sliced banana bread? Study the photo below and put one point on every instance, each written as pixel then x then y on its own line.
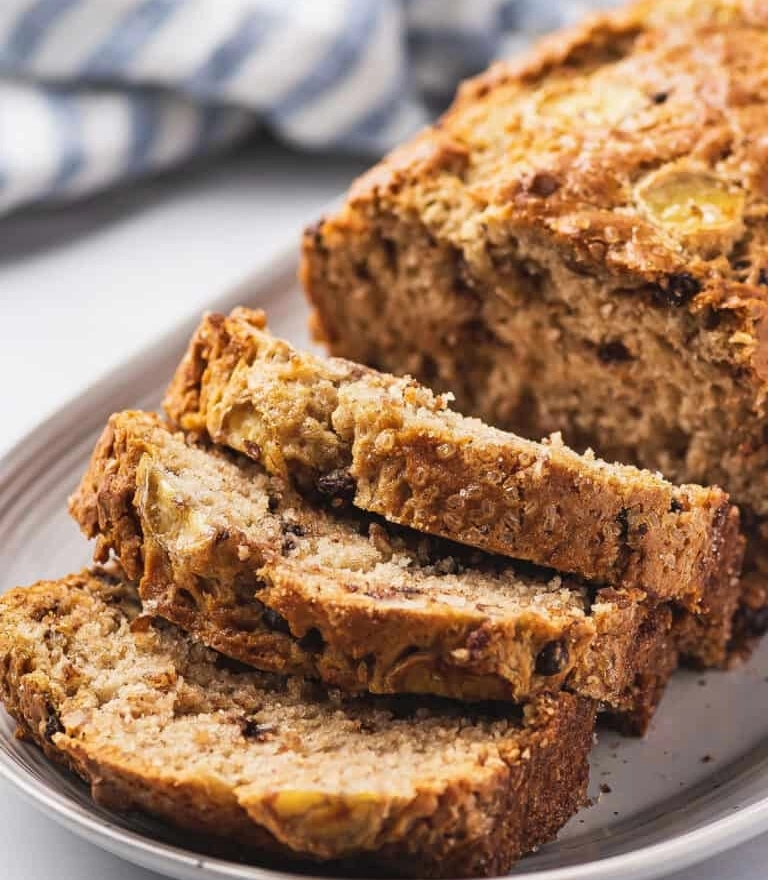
pixel 341 430
pixel 253 569
pixel 154 721
pixel 581 244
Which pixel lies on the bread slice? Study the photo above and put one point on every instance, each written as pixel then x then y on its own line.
pixel 581 246
pixel 156 722
pixel 395 448
pixel 251 568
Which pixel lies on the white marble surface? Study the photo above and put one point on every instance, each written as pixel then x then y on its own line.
pixel 83 287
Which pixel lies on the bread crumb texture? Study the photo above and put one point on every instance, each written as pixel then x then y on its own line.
pixel 580 245
pixel 345 433
pixel 244 562
pixel 600 207
pixel 157 722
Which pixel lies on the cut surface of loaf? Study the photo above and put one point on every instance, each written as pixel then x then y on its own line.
pixel 397 450
pixel 581 246
pixel 156 722
pixel 246 564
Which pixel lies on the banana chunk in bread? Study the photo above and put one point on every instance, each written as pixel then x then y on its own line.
pixel 397 450
pixel 156 722
pixel 581 245
pixel 246 564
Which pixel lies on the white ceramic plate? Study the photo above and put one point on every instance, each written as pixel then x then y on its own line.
pixel 696 785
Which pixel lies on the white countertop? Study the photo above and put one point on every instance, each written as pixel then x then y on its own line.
pixel 83 287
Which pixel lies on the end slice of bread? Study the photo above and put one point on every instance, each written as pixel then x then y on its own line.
pixel 156 722
pixel 396 449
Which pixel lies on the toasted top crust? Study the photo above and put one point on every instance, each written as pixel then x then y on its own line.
pixel 156 721
pixel 635 144
pixel 397 450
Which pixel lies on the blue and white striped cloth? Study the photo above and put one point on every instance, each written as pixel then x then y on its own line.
pixel 93 92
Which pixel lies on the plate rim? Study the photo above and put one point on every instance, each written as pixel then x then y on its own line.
pixel 652 860
pixel 678 852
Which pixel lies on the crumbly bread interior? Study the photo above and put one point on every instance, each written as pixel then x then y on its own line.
pixel 397 450
pixel 659 400
pixel 580 246
pixel 584 240
pixel 252 568
pixel 154 720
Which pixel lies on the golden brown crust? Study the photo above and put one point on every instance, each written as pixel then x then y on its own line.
pixel 102 503
pixel 657 655
pixel 500 788
pixel 594 261
pixel 401 453
pixel 610 74
pixel 709 639
pixel 665 97
pixel 389 612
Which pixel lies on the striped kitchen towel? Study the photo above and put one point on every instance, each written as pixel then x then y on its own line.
pixel 93 92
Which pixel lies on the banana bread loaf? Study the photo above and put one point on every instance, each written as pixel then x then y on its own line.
pixel 398 450
pixel 581 244
pixel 156 722
pixel 245 564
